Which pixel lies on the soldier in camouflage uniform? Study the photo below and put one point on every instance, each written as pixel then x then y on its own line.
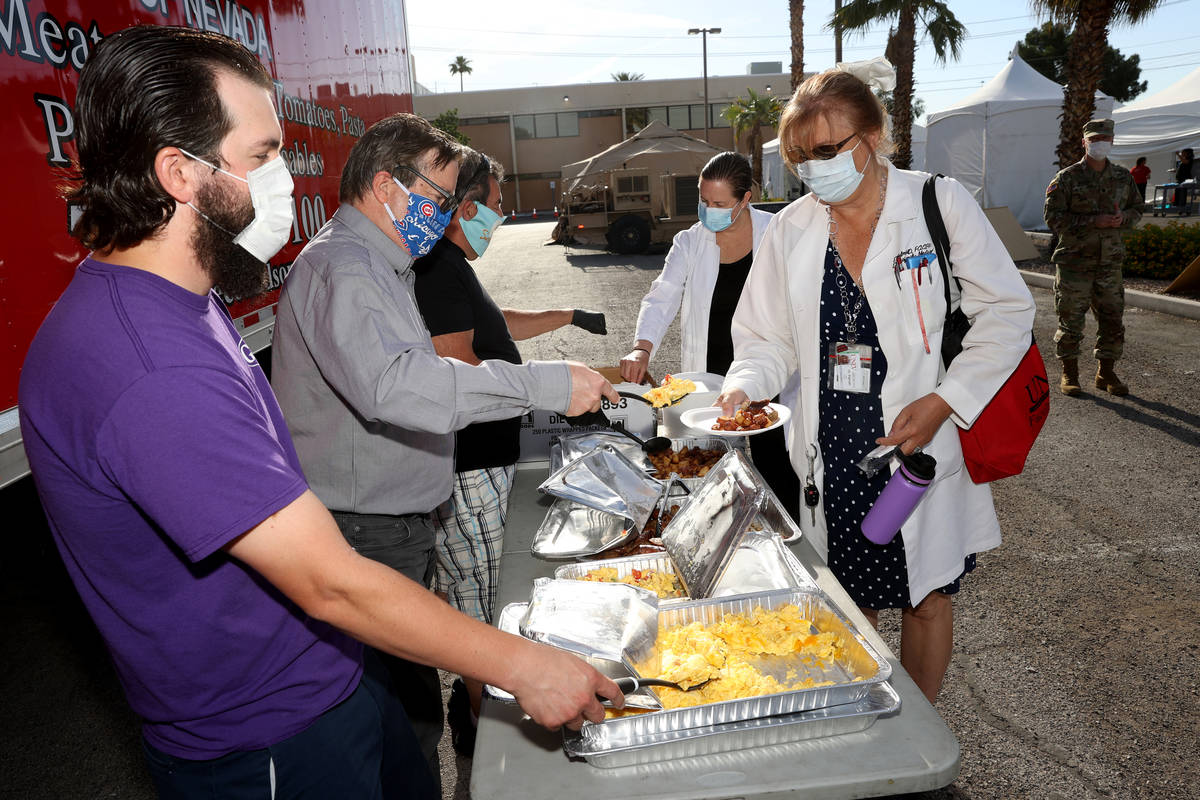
pixel 1088 205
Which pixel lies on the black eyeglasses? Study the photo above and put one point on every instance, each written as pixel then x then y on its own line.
pixel 449 201
pixel 821 153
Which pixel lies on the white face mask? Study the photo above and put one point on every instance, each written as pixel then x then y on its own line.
pixel 1098 150
pixel 834 179
pixel 271 194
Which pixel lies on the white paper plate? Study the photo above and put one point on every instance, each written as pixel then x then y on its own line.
pixel 702 419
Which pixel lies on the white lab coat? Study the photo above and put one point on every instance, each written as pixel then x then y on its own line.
pixel 687 280
pixel 776 333
pixel 685 287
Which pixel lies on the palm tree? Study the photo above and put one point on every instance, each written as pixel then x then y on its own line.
pixel 749 114
pixel 1085 59
pixel 627 76
pixel 796 12
pixel 943 29
pixel 461 65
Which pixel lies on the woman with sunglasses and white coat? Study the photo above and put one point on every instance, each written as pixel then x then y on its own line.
pixel 846 290
pixel 702 281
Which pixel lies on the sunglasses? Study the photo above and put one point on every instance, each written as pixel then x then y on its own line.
pixel 821 153
pixel 449 200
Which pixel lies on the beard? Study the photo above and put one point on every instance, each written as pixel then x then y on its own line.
pixel 234 272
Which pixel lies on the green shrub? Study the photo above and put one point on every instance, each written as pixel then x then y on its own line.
pixel 1161 251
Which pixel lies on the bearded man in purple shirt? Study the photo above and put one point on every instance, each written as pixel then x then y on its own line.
pixel 231 604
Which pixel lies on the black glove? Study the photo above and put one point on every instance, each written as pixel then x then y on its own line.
pixel 590 321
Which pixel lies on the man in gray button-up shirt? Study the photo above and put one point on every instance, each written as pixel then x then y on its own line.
pixel 371 406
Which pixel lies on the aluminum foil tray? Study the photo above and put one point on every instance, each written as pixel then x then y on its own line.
pixel 701 538
pixel 705 442
pixel 613 621
pixel 772 516
pixel 760 563
pixel 569 447
pixel 861 662
pixel 604 479
pixel 607 747
pixel 509 621
pixel 572 529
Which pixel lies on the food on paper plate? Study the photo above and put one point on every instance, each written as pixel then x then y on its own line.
pixel 722 654
pixel 750 416
pixel 671 390
pixel 663 584
pixel 690 462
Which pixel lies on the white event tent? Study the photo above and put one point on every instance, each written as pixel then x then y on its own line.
pixel 1157 126
pixel 999 142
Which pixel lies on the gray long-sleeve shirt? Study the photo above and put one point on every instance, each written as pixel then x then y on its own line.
pixel 370 405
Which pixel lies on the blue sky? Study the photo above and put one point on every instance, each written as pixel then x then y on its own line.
pixel 548 42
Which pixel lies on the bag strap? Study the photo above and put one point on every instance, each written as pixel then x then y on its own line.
pixel 937 229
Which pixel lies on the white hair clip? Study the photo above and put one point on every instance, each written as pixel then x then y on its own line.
pixel 877 72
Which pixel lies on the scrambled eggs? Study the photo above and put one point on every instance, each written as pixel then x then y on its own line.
pixel 671 390
pixel 663 584
pixel 720 654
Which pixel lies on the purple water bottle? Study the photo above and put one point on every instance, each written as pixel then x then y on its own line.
pixel 898 499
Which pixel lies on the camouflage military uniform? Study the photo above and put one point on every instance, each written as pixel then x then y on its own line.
pixel 1088 258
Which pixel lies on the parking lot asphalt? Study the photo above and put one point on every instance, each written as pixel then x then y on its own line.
pixel 1076 671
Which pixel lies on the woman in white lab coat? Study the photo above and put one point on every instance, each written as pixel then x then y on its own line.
pixel 704 273
pixel 836 281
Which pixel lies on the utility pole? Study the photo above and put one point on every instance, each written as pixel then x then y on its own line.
pixel 704 32
pixel 837 34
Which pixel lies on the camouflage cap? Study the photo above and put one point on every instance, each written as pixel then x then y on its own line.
pixel 1098 127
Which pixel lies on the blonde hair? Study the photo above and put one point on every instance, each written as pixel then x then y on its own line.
pixel 833 93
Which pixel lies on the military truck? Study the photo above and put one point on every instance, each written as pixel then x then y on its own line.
pixel 635 194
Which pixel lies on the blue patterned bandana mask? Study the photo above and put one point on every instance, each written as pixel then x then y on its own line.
pixel 423 224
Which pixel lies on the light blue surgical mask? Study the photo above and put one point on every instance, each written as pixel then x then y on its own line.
pixel 479 229
pixel 834 179
pixel 715 219
pixel 423 224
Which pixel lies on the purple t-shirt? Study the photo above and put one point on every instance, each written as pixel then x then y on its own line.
pixel 154 441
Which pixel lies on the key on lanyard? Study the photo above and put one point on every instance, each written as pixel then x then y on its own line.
pixel 811 495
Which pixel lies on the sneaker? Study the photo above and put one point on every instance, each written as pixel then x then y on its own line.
pixel 458 713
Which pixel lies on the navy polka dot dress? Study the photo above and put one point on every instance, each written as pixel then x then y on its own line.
pixel 875 576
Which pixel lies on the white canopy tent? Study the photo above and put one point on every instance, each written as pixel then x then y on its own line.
pixel 1159 125
pixel 999 142
pixel 779 181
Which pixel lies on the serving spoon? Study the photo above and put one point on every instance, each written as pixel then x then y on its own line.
pixel 630 684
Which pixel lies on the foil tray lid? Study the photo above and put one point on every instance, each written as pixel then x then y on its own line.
pixel 570 530
pixel 612 621
pixel 568 447
pixel 606 480
pixel 702 537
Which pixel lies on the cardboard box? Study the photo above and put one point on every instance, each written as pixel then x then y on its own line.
pixel 538 426
pixel 613 376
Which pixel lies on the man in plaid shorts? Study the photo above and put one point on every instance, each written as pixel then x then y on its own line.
pixel 466 324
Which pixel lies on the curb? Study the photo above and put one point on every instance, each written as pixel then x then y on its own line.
pixel 1177 306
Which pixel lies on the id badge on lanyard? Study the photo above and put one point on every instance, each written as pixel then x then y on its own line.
pixel 849 367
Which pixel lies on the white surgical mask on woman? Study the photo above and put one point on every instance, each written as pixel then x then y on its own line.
pixel 834 179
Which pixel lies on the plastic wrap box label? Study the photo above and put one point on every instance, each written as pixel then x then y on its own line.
pixel 538 426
